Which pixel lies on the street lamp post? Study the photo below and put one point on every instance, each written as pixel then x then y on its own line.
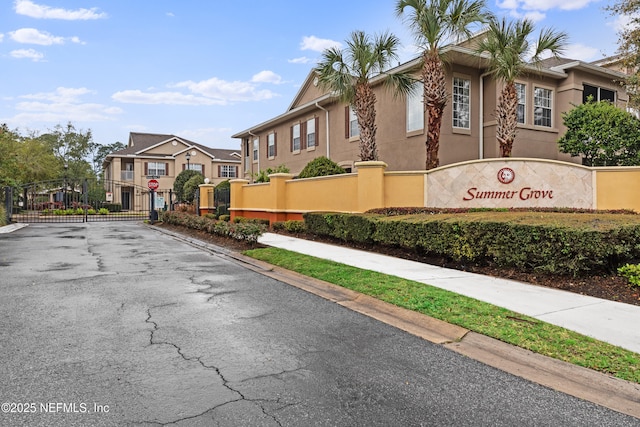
pixel 188 157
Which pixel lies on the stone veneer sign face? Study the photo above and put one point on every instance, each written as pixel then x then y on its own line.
pixel 510 183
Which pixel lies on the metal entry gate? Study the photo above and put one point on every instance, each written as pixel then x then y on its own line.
pixel 77 201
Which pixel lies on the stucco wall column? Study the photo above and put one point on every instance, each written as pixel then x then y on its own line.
pixel 370 184
pixel 237 199
pixel 206 198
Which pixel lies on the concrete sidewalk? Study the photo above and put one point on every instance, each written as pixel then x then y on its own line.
pixel 608 321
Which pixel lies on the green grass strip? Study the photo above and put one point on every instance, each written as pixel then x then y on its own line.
pixel 496 322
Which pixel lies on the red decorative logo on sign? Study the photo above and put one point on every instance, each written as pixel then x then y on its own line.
pixel 506 175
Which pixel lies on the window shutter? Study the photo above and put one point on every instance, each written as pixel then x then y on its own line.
pixel 317 120
pixel 275 144
pixel 291 139
pixel 346 122
pixel 166 169
pixel 146 168
pixel 203 172
pixel 184 166
pixel 219 170
pixel 236 172
pixel 303 135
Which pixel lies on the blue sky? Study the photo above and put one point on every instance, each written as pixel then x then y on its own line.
pixel 205 70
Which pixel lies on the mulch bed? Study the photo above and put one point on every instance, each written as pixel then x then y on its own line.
pixel 610 287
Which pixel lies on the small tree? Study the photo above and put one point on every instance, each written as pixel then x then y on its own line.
pixel 602 133
pixel 181 179
pixel 321 166
pixel 263 175
pixel 191 186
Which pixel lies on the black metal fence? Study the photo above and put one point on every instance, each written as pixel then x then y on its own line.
pixel 84 200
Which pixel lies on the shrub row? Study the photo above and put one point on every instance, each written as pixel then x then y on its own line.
pixel 547 246
pixel 248 231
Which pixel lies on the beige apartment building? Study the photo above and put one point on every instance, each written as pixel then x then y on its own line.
pixel 317 124
pixel 163 157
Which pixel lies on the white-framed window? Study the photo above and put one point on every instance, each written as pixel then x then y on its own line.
pixel 271 145
pixel 156 168
pixel 354 129
pixel 598 93
pixel 227 171
pixel 310 136
pixel 256 147
pixel 295 137
pixel 521 92
pixel 461 103
pixel 415 108
pixel 196 167
pixel 542 102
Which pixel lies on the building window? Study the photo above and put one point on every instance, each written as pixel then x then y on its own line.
pixel 227 171
pixel 156 169
pixel 354 129
pixel 598 93
pixel 271 145
pixel 542 99
pixel 415 108
pixel 295 137
pixel 256 146
pixel 311 133
pixel 196 167
pixel 521 91
pixel 461 103
pixel 247 155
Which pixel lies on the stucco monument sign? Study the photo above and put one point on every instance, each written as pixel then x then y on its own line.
pixel 518 183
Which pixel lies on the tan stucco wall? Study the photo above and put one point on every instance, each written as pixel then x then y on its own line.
pixel 536 183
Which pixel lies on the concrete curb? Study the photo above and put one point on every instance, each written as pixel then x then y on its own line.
pixel 12 227
pixel 605 390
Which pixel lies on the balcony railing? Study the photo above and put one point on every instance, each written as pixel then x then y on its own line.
pixel 126 175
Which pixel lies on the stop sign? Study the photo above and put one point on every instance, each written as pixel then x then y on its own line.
pixel 153 184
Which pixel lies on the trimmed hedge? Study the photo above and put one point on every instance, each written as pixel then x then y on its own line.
pixel 557 243
pixel 247 231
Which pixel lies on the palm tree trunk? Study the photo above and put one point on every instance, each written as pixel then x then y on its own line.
pixel 435 99
pixel 507 119
pixel 365 101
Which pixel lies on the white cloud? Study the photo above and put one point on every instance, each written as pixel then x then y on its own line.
pixel 32 54
pixel 318 45
pixel 267 77
pixel 61 95
pixel 224 91
pixel 61 106
pixel 34 36
pixel 535 9
pixel 33 10
pixel 170 14
pixel 582 52
pixel 301 60
pixel 1 37
pixel 154 98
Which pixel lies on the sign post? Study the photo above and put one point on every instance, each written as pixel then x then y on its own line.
pixel 153 185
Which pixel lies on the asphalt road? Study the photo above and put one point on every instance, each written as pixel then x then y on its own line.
pixel 117 324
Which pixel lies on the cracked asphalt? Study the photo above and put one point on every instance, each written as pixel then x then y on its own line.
pixel 113 323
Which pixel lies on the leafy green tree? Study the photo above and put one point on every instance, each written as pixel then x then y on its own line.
pixel 72 148
pixel 321 166
pixel 181 180
pixel 507 44
pixel 629 46
pixel 434 24
pixel 191 186
pixel 602 133
pixel 348 73
pixel 9 158
pixel 100 151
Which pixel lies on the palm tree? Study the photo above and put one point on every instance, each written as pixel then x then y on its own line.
pixel 507 44
pixel 434 23
pixel 348 74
